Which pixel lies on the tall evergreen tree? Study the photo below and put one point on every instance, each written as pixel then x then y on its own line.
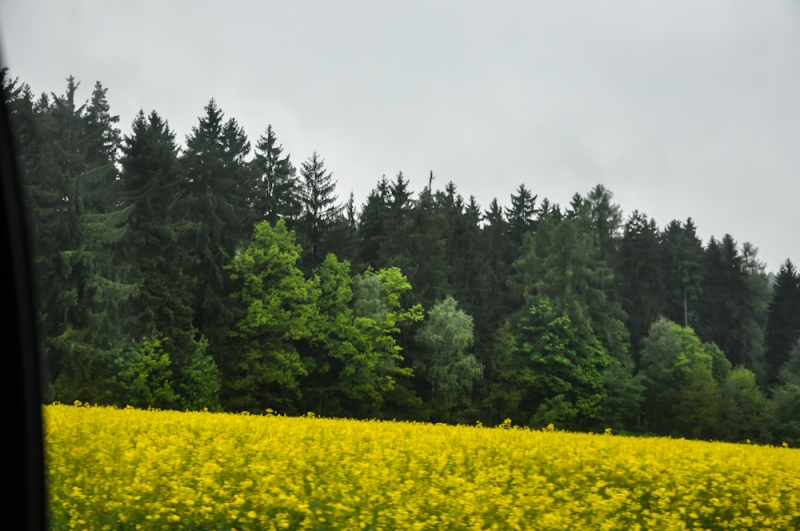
pixel 418 247
pixel 88 294
pixel 157 239
pixel 682 268
pixel 638 276
pixel 321 221
pixel 213 165
pixel 521 215
pixel 604 218
pixel 732 307
pixel 783 324
pixel 371 225
pixel 278 192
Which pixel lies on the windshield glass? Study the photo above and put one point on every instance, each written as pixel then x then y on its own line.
pixel 418 266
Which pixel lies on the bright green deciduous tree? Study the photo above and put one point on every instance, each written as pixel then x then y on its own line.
pixel 681 395
pixel 745 411
pixel 273 305
pixel 354 354
pixel 442 361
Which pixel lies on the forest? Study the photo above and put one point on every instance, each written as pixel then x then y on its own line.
pixel 222 275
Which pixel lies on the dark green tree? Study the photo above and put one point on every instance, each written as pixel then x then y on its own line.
pixel 639 278
pixel 733 305
pixel 321 225
pixel 683 272
pixel 563 369
pixel 88 294
pixel 155 248
pixel 783 322
pixel 278 192
pixel 521 215
pixel 371 225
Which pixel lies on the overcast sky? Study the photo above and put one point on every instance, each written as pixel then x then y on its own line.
pixel 683 109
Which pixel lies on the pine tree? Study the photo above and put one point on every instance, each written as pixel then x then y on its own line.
pixel 371 225
pixel 638 276
pixel 732 307
pixel 604 219
pixel 156 242
pixel 682 267
pixel 213 165
pixel 418 247
pixel 278 192
pixel 783 324
pixel 321 222
pixel 102 137
pixel 87 294
pixel 521 215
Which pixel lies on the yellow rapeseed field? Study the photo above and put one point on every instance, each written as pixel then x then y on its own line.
pixel 133 469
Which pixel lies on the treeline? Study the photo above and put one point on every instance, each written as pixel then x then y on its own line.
pixel 221 276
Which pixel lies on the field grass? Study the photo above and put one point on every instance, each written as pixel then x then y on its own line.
pixel 134 469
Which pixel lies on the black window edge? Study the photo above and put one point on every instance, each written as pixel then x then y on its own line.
pixel 23 498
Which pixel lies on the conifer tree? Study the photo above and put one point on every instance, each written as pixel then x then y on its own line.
pixel 682 268
pixel 521 215
pixel 278 192
pixel 783 324
pixel 733 304
pixel 321 222
pixel 88 294
pixel 639 277
pixel 371 225
pixel 213 165
pixel 156 243
pixel 604 219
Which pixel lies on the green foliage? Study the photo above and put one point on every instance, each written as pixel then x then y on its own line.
pixel 368 299
pixel 639 276
pixel 358 360
pixel 137 239
pixel 783 324
pixel 720 366
pixel 745 412
pixel 624 396
pixel 200 381
pixel 562 263
pixel 443 362
pixel 681 395
pixel 145 376
pixel 562 369
pixel 273 306
pixel 320 225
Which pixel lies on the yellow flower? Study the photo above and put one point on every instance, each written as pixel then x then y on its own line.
pixel 112 468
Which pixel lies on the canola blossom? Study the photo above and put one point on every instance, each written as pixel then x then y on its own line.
pixel 134 469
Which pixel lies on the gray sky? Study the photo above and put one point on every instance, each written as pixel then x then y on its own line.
pixel 681 109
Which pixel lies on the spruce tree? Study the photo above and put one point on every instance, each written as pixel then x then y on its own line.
pixel 320 221
pixel 371 225
pixel 783 324
pixel 213 166
pixel 277 188
pixel 639 278
pixel 732 307
pixel 87 293
pixel 682 268
pixel 158 236
pixel 521 215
